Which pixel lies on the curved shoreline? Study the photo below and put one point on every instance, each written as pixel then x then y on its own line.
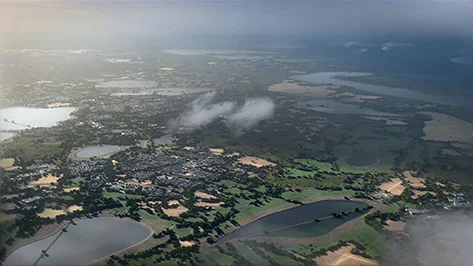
pixel 84 218
pixel 34 241
pixel 339 198
pixel 336 232
pixel 75 151
pixel 134 245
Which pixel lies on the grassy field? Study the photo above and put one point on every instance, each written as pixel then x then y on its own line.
pixel 322 166
pixel 443 127
pixel 249 210
pixel 313 194
pixel 34 148
pixel 249 254
pixel 214 256
pixel 182 232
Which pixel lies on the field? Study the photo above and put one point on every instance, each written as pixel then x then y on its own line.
pixel 416 182
pixel 394 187
pixel 395 225
pixel 343 257
pixel 34 148
pixel 443 127
pixel 7 163
pixel 175 211
pixel 289 86
pixel 255 161
pixel 50 213
pixel 370 142
pixel 44 181
pixel 321 166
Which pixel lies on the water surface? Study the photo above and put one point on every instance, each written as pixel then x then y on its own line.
pixel 334 78
pixel 20 118
pixel 97 151
pixel 5 135
pixel 88 241
pixel 127 84
pixel 299 221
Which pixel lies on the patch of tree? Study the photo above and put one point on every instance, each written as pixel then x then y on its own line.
pixel 377 219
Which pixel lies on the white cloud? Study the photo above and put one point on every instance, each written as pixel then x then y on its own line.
pixel 352 44
pixel 389 46
pixel 202 112
pixel 251 113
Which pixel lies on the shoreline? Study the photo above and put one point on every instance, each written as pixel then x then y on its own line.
pixel 306 202
pixel 83 218
pixel 73 153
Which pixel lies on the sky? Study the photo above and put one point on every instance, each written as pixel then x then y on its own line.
pixel 80 19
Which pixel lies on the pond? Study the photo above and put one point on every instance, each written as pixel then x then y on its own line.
pixel 362 159
pixel 127 84
pixel 334 78
pixel 97 151
pixel 300 221
pixel 163 91
pixel 332 107
pixel 20 118
pixel 88 241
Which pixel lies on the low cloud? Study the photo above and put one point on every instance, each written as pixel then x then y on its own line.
pixel 352 44
pixel 390 46
pixel 356 46
pixel 445 239
pixel 203 111
pixel 251 113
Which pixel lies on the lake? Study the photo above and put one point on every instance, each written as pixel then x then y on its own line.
pixel 127 84
pixel 163 91
pixel 332 78
pixel 88 241
pixel 299 221
pixel 20 118
pixel 97 151
pixel 5 135
pixel 332 107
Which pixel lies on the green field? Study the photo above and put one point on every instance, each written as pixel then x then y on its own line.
pixel 308 194
pixel 34 148
pixel 321 166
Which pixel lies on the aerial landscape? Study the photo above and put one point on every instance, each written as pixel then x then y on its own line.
pixel 131 137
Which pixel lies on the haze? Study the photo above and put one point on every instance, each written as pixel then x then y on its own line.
pixel 25 23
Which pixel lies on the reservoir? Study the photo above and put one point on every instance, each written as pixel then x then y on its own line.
pixel 334 78
pixel 299 221
pixel 127 84
pixel 97 151
pixel 20 118
pixel 88 241
pixel 5 135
